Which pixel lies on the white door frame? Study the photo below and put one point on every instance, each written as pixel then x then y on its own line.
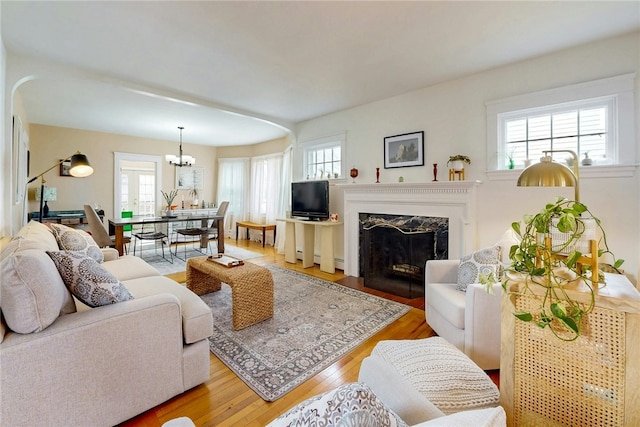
pixel 117 190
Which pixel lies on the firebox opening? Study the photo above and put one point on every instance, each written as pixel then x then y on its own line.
pixel 395 248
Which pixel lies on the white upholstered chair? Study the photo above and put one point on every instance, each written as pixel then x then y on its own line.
pixel 469 320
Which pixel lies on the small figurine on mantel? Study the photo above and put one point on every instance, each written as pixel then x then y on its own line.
pixel 435 172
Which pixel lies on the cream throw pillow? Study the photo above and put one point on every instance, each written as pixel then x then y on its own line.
pixel 33 294
pixel 70 239
pixel 89 281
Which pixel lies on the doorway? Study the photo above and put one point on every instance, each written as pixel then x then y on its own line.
pixel 137 183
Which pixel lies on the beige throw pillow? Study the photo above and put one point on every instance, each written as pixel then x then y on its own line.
pixel 89 281
pixel 33 294
pixel 70 239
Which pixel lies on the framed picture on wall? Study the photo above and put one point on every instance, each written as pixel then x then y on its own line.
pixel 188 177
pixel 404 150
pixel 64 168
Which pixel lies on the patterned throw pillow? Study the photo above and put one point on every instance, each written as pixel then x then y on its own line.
pixel 70 239
pixel 352 404
pixel 484 261
pixel 87 280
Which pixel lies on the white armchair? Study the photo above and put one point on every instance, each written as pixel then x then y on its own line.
pixel 469 320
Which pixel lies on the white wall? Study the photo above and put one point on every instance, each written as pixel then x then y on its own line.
pixel 453 117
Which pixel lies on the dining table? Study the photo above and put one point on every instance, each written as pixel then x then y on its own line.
pixel 116 226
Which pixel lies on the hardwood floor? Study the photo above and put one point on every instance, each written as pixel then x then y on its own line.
pixel 225 400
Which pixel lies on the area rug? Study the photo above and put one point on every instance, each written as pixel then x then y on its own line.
pixel 315 323
pixel 165 267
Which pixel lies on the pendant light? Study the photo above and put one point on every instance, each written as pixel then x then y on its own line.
pixel 181 159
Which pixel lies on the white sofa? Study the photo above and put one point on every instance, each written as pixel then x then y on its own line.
pixel 425 382
pixel 75 365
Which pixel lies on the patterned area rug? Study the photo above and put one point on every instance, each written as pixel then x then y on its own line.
pixel 165 267
pixel 315 323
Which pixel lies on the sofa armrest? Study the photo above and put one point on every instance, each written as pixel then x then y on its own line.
pixel 396 392
pixel 130 351
pixel 482 325
pixel 110 254
pixel 441 271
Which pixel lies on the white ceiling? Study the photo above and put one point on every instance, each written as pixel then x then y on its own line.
pixel 281 61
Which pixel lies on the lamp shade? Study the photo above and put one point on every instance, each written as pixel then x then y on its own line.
pixel 547 174
pixel 80 166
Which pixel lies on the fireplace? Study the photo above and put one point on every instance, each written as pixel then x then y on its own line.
pixel 452 200
pixel 394 249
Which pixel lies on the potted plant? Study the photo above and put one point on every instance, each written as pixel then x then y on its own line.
pixel 168 197
pixel 458 161
pixel 194 194
pixel 553 265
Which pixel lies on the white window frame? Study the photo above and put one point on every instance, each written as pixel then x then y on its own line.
pixel 621 148
pixel 322 143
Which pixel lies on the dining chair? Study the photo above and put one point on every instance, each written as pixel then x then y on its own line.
pixel 98 232
pixel 192 232
pixel 222 211
pixel 156 235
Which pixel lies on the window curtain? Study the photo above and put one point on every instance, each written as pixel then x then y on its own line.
pixel 285 197
pixel 233 186
pixel 266 183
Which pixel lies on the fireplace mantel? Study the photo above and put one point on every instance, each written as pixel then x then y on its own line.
pixel 455 200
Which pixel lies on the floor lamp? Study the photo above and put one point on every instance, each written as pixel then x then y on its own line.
pixel 548 173
pixel 79 168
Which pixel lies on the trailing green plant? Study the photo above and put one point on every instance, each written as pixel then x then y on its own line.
pixel 168 197
pixel 459 157
pixel 554 266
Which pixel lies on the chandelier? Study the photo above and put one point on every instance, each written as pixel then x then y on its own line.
pixel 182 159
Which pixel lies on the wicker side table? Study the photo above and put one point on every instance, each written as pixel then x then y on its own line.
pixel 589 382
pixel 251 288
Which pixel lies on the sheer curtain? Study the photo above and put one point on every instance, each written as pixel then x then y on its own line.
pixel 233 186
pixel 266 183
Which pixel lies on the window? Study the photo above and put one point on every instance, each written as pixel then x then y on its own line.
pixel 594 117
pixel 581 127
pixel 323 157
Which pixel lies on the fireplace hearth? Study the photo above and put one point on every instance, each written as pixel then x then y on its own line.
pixel 394 249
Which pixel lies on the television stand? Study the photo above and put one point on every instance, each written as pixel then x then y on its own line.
pixel 327 254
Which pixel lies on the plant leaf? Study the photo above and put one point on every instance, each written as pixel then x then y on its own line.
pixel 558 310
pixel 618 263
pixel 570 324
pixel 525 316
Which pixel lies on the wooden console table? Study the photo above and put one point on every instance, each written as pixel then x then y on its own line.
pixel 327 254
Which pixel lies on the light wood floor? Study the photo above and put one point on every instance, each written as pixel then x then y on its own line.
pixel 225 400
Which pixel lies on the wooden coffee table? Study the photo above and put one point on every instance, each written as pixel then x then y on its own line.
pixel 251 288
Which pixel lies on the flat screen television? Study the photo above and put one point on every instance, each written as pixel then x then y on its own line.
pixel 310 199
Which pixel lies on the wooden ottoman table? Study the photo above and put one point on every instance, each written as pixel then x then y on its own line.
pixel 251 288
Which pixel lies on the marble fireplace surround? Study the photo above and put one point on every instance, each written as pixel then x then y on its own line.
pixel 455 200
